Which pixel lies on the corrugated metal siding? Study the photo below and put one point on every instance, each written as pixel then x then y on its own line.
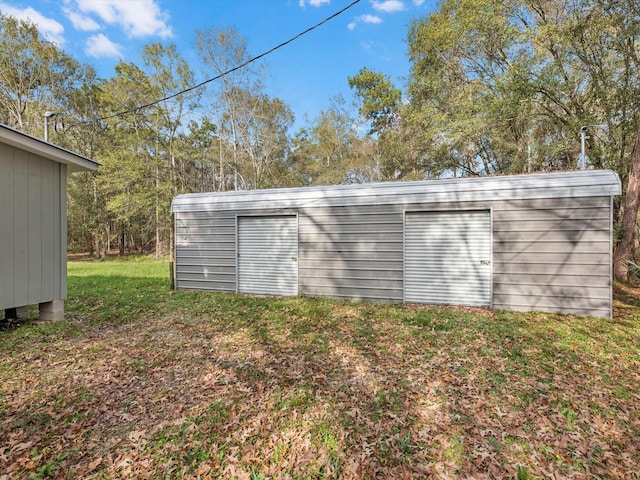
pixel 206 251
pixel 448 258
pixel 268 255
pixel 548 254
pixel 553 255
pixel 352 252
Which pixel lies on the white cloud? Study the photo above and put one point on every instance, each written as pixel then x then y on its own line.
pixel 369 19
pixel 139 18
pixel 81 22
pixel 418 3
pixel 48 27
pixel 364 19
pixel 313 3
pixel 99 46
pixel 388 6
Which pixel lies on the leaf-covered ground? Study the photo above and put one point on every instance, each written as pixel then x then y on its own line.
pixel 142 383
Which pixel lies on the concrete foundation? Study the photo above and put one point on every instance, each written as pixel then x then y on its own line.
pixel 52 311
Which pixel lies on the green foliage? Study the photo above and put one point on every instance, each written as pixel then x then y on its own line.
pixel 380 99
pixel 504 87
pixel 322 151
pixel 522 474
pixel 495 87
pixel 35 76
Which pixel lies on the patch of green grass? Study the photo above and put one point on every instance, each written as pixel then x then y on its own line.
pixel 621 392
pixel 328 438
pixel 571 416
pixel 406 445
pixel 117 291
pixel 300 398
pixel 522 474
pixel 42 334
pixel 50 468
pixel 257 476
pixel 300 387
pixel 386 401
pixel 454 450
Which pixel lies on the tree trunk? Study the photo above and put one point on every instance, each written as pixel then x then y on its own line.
pixel 624 250
pixel 158 245
pixel 123 239
pixel 221 187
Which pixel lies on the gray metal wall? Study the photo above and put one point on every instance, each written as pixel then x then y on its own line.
pixel 553 255
pixel 206 251
pixel 353 252
pixel 33 229
pixel 548 254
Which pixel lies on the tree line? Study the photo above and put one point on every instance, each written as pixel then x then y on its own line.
pixel 495 87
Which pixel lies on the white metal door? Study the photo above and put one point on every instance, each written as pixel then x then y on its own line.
pixel 447 258
pixel 268 255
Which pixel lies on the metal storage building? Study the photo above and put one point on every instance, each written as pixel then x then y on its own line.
pixel 521 242
pixel 33 222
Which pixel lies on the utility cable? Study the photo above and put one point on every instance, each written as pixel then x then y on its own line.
pixel 217 77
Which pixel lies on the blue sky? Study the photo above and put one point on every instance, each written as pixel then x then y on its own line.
pixel 305 74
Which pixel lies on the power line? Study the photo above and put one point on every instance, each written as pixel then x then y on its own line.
pixel 238 67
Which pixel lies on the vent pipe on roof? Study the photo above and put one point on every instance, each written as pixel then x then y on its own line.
pixel 582 161
pixel 47 116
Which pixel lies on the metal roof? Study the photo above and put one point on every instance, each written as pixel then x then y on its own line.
pixel 538 185
pixel 28 143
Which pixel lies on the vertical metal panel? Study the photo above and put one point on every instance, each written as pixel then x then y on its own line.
pixel 268 255
pixel 62 202
pixel 34 221
pixel 59 243
pixel 448 257
pixel 49 257
pixel 6 227
pixel 21 238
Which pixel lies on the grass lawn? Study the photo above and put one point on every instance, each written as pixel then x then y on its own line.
pixel 139 382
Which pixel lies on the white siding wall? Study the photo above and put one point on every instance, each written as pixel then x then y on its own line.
pixel 32 229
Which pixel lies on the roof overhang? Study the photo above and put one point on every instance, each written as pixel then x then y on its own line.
pixel 18 139
pixel 588 183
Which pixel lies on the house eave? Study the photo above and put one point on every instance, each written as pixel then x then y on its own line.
pixel 23 141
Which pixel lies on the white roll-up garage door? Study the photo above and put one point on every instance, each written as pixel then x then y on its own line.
pixel 268 255
pixel 447 257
